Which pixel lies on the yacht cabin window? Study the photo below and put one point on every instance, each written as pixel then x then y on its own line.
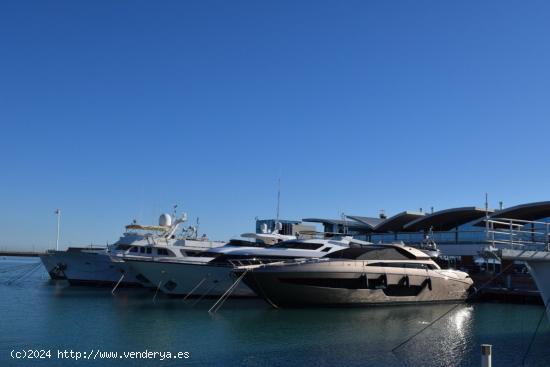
pixel 123 247
pixel 190 253
pixel 165 252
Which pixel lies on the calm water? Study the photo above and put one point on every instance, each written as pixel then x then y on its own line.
pixel 39 314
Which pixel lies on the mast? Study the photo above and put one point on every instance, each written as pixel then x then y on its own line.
pixel 58 213
pixel 197 231
pixel 487 219
pixel 278 198
pixel 343 216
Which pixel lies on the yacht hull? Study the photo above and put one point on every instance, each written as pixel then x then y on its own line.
pixel 54 270
pixel 182 279
pixel 93 267
pixel 340 284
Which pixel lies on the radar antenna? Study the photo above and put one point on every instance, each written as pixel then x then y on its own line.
pixel 278 198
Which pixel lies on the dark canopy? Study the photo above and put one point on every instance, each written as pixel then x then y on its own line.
pixel 531 211
pixel 396 222
pixel 368 221
pixel 445 220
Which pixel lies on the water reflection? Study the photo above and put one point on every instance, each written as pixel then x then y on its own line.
pixel 251 333
pixel 445 341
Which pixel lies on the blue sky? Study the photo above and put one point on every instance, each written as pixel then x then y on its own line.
pixel 118 110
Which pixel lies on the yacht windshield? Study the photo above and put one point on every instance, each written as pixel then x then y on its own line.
pixel 372 253
pixel 299 245
pixel 245 243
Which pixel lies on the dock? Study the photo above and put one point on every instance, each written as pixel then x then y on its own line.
pixel 507 288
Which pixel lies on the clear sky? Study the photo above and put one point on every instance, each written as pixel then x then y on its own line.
pixel 114 110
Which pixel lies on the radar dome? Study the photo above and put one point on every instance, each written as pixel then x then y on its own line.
pixel 165 220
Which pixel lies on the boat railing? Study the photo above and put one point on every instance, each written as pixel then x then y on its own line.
pixel 501 232
pixel 242 264
pixel 462 236
pixel 256 262
pixel 305 235
pixel 518 234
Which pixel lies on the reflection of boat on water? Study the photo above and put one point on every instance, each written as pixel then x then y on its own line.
pixel 374 274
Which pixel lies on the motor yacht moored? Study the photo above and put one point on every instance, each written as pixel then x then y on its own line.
pixel 210 273
pixel 95 266
pixel 368 275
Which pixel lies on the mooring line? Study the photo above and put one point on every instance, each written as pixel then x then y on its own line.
pixel 117 283
pixel 19 277
pixel 450 310
pixel 215 286
pixel 227 293
pixel 535 333
pixel 195 288
pixel 156 292
pixel 17 267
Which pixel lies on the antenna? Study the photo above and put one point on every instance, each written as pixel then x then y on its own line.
pixel 175 210
pixel 487 216
pixel 278 198
pixel 58 213
pixel 345 223
pixel 197 232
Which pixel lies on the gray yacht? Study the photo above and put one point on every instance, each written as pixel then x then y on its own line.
pixel 362 275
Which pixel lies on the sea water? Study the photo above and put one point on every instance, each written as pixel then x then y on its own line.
pixel 40 317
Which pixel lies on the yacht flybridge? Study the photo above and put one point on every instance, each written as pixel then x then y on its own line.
pixel 359 275
pixel 210 273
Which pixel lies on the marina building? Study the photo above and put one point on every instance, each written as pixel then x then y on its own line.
pixel 462 231
pixel 287 227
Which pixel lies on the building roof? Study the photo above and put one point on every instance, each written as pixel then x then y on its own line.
pixel 369 221
pixel 529 211
pixel 445 220
pixel 351 224
pixel 396 222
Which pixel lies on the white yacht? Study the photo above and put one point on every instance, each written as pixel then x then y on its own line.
pixel 210 273
pixel 372 274
pixel 87 265
pixel 187 248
